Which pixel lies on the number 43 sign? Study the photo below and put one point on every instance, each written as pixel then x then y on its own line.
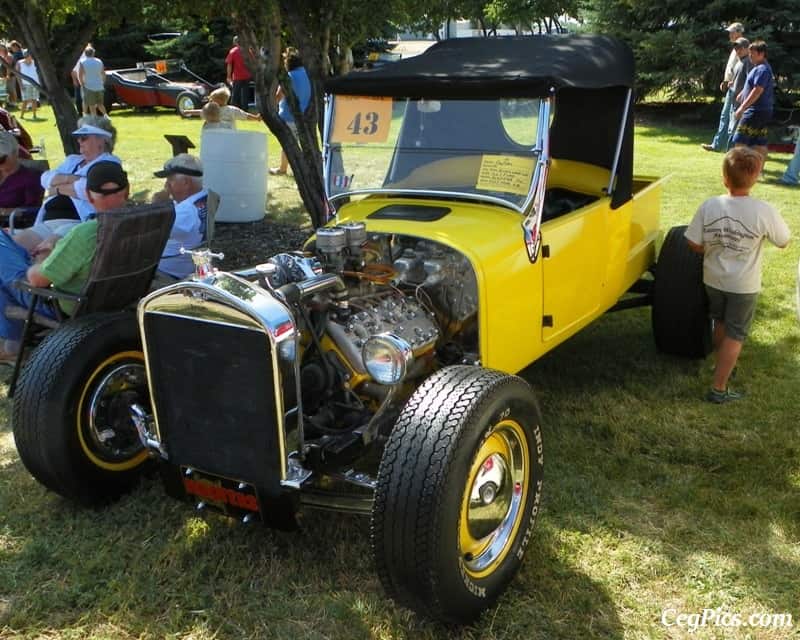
pixel 361 119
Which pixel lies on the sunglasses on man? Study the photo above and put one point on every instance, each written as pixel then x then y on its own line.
pixel 3 159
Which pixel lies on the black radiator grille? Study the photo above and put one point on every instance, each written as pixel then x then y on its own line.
pixel 214 396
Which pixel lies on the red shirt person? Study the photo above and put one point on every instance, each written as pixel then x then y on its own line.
pixel 238 75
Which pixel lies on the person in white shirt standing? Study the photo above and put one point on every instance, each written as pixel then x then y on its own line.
pixel 720 142
pixel 92 76
pixel 30 92
pixel 76 81
pixel 729 231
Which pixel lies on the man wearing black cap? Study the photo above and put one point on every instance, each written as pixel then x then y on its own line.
pixel 65 262
pixel 740 71
pixel 184 185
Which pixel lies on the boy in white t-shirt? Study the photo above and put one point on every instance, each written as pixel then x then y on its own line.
pixel 729 231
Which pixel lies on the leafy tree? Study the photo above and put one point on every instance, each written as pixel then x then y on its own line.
pixel 426 16
pixel 537 16
pixel 56 32
pixel 680 46
pixel 312 26
pixel 480 14
pixel 353 22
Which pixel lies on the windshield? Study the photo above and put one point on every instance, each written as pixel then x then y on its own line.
pixel 483 149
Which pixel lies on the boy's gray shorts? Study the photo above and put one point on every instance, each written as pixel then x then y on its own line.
pixel 736 310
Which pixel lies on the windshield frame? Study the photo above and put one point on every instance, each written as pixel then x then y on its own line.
pixel 538 152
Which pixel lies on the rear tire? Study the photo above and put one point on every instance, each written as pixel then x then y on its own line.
pixel 681 325
pixel 186 101
pixel 70 415
pixel 458 492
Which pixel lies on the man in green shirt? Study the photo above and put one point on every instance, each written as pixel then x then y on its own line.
pixel 64 262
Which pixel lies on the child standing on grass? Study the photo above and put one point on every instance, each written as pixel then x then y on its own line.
pixel 211 116
pixel 729 230
pixel 228 114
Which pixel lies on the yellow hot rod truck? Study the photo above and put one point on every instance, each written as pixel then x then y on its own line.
pixel 484 211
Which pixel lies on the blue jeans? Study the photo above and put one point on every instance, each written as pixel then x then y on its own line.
pixel 722 137
pixel 792 171
pixel 733 124
pixel 14 263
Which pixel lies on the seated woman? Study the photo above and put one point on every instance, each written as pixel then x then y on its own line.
pixel 67 202
pixel 19 185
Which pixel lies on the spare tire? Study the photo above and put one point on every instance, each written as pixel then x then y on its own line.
pixel 681 325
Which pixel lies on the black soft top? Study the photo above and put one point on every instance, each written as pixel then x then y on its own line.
pixel 515 66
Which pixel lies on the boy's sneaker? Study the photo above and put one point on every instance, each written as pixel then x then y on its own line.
pixel 721 397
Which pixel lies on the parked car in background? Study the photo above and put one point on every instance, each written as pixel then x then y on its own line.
pixel 160 83
pixel 374 52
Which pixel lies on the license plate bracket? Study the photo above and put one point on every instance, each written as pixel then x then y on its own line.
pixel 234 498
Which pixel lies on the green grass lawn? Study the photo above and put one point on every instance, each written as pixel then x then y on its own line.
pixel 654 500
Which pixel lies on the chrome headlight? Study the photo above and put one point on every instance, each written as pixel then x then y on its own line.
pixel 387 358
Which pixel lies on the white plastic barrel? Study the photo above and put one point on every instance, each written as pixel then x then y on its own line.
pixel 235 166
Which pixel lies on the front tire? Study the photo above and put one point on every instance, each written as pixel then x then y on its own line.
pixel 458 492
pixel 681 325
pixel 186 101
pixel 72 426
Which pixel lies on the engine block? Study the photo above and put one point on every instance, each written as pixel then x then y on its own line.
pixel 402 316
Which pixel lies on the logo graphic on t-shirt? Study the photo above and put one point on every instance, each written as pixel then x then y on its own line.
pixel 729 233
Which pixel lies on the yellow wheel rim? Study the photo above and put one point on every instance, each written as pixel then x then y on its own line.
pixel 106 432
pixel 494 499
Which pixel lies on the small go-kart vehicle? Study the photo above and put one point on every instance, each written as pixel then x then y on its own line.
pixel 485 211
pixel 156 84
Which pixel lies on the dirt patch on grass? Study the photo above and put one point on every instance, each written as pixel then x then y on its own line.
pixel 246 244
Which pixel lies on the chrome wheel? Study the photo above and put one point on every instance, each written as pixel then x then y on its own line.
pixel 458 491
pixel 105 428
pixel 493 501
pixel 186 102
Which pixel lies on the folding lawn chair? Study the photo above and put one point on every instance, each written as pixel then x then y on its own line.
pixel 130 241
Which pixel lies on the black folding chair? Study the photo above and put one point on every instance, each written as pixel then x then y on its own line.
pixel 130 241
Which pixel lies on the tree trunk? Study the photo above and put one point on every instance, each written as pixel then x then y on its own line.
pixel 306 157
pixel 33 25
pixel 303 150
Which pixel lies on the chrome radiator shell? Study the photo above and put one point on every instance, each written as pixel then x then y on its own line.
pixel 221 364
